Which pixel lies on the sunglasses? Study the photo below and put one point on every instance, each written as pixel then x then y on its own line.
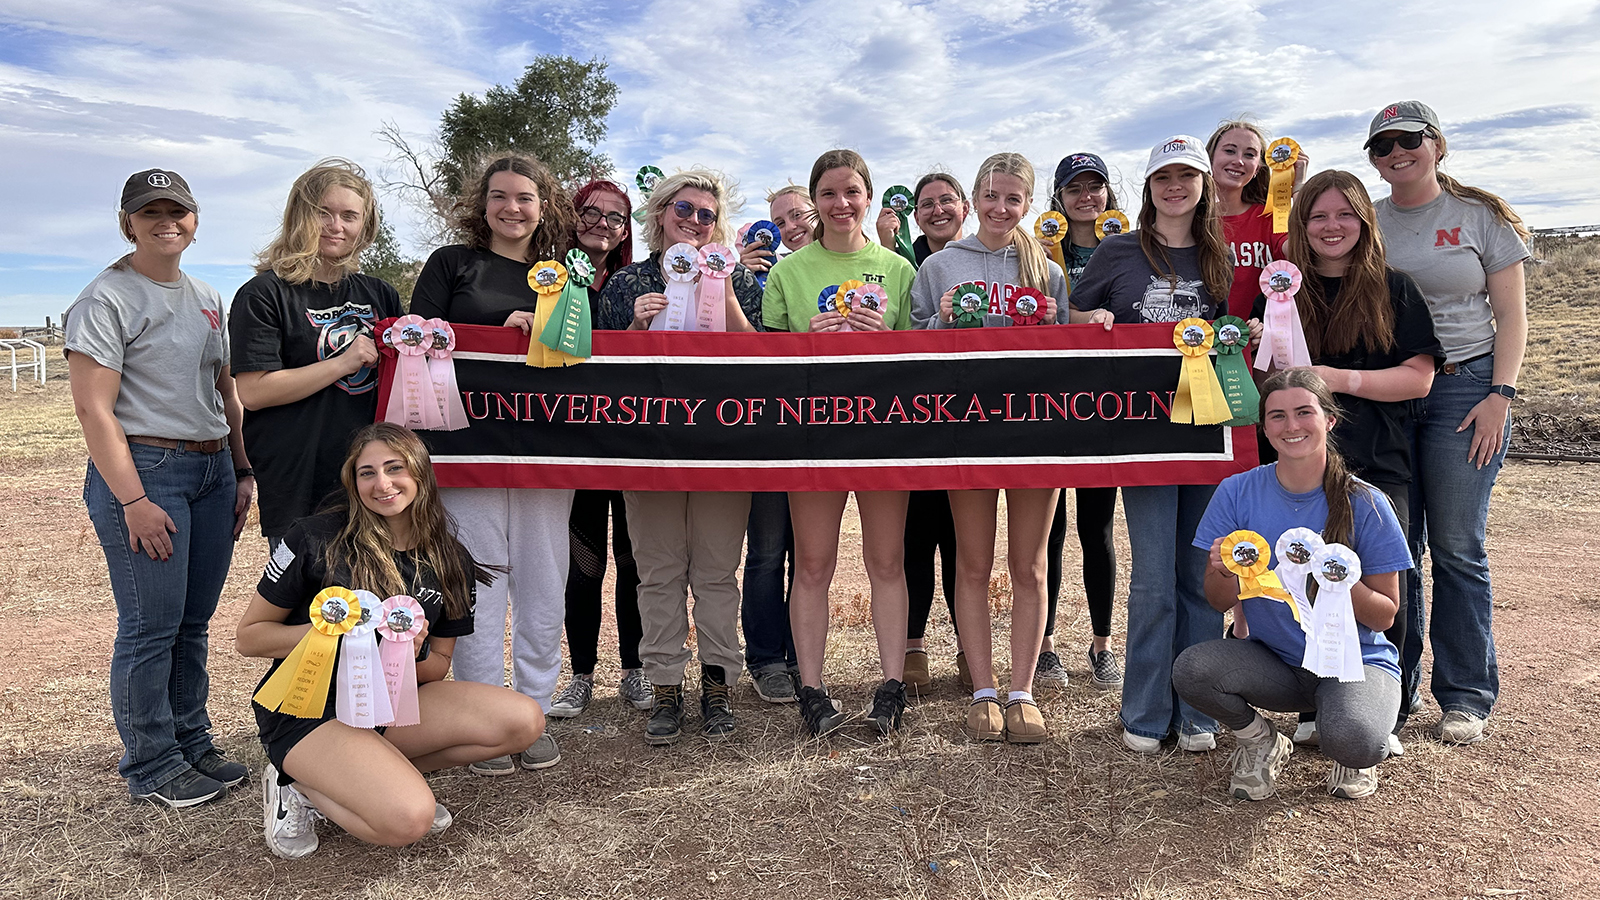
pixel 685 209
pixel 591 216
pixel 1411 140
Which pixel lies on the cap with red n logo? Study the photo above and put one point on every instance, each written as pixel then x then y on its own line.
pixel 1407 115
pixel 143 188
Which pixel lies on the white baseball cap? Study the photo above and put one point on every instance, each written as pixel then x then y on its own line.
pixel 1185 149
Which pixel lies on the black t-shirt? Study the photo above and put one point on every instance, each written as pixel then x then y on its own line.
pixel 472 287
pixel 920 249
pixel 1373 434
pixel 297 570
pixel 297 448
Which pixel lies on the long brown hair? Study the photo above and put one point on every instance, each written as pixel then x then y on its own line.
pixel 1363 312
pixel 1338 484
pixel 292 255
pixel 1033 269
pixel 1216 263
pixel 557 222
pixel 836 159
pixel 1255 190
pixel 1501 209
pixel 364 548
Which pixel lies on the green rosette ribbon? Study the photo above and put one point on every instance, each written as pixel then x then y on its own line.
pixel 970 303
pixel 899 199
pixel 1234 373
pixel 646 180
pixel 569 329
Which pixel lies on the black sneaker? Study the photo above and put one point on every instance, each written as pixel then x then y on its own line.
pixel 888 706
pixel 819 711
pixel 716 709
pixel 187 788
pixel 219 768
pixel 666 715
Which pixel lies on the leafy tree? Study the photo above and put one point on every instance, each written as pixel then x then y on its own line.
pixel 383 259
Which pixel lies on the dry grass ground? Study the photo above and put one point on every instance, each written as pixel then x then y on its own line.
pixel 926 814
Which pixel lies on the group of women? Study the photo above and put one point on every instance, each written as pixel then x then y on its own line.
pixel 1414 319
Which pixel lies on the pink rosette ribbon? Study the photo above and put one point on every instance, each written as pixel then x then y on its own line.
pixel 679 265
pixel 411 399
pixel 402 622
pixel 873 296
pixel 441 344
pixel 1283 341
pixel 715 265
pixel 360 701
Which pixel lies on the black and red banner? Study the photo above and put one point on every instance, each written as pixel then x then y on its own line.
pixel 1045 406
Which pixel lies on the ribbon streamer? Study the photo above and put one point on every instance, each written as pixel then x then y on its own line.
pixel 1282 154
pixel 1296 549
pixel 1110 222
pixel 679 264
pixel 442 372
pixel 568 330
pixel 1283 341
pixel 361 701
pixel 1199 399
pixel 715 264
pixel 548 279
pixel 899 199
pixel 1051 230
pixel 402 621
pixel 763 234
pixel 646 179
pixel 1245 554
pixel 1333 646
pixel 299 687
pixel 412 402
pixel 1244 401
pixel 971 303
pixel 1028 307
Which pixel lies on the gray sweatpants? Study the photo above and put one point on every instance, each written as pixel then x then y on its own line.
pixel 1227 679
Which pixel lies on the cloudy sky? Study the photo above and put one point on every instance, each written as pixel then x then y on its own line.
pixel 240 97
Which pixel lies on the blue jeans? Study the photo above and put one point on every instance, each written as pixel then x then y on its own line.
pixel 1450 511
pixel 1167 608
pixel 159 683
pixel 765 607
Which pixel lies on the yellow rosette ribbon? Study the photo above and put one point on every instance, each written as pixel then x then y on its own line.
pixel 547 278
pixel 1247 555
pixel 1110 222
pixel 1200 398
pixel 1282 154
pixel 300 685
pixel 1051 230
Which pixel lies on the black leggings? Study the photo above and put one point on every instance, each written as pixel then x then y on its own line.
pixel 1097 508
pixel 586 530
pixel 929 527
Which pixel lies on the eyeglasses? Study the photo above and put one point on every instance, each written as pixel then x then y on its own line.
pixel 685 209
pixel 591 216
pixel 1411 140
pixel 1075 188
pixel 947 200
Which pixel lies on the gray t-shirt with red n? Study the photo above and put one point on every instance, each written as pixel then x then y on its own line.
pixel 1450 246
pixel 167 341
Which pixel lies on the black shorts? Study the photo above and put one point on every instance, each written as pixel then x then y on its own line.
pixel 280 733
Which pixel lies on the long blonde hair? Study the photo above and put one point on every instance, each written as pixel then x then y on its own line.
pixel 1033 268
pixel 1501 209
pixel 293 255
pixel 661 199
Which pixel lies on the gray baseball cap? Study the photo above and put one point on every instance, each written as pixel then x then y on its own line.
pixel 1407 115
pixel 156 184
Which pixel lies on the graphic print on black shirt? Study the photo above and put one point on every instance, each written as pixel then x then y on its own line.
pixel 1165 303
pixel 337 327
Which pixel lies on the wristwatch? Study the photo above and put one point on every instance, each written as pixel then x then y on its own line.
pixel 1504 390
pixel 246 472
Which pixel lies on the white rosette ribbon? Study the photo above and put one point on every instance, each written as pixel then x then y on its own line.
pixel 680 264
pixel 1333 648
pixel 1296 550
pixel 362 700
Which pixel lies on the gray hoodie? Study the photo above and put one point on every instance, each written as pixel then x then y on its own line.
pixel 969 260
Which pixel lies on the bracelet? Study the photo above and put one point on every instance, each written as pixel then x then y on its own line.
pixel 133 501
pixel 246 472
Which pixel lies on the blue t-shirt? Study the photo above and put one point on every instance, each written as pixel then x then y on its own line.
pixel 1254 500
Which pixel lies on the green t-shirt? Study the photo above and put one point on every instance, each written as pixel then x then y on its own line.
pixel 795 282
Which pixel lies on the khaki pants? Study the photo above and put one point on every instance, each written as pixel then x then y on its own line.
pixel 683 541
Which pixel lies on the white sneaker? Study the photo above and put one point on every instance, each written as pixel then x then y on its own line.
pixel 1199 742
pixel 1305 734
pixel 1395 747
pixel 1459 727
pixel 574 698
pixel 1352 784
pixel 288 819
pixel 441 819
pixel 1256 766
pixel 1140 744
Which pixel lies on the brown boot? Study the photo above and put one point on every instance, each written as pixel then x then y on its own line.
pixel 917 679
pixel 962 672
pixel 986 720
pixel 1024 723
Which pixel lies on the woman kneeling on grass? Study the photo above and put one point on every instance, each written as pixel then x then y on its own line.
pixel 391 537
pixel 1308 487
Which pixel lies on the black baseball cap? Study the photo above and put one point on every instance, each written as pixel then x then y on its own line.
pixel 1077 164
pixel 1407 115
pixel 156 184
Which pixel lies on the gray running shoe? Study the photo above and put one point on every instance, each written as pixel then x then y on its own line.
pixel 288 820
pixel 1107 671
pixel 1049 673
pixel 1352 784
pixel 635 689
pixel 217 767
pixel 1256 766
pixel 541 754
pixel 774 685
pixel 185 789
pixel 1459 727
pixel 574 698
pixel 493 768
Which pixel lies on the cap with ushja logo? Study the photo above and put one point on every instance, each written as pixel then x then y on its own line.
pixel 144 188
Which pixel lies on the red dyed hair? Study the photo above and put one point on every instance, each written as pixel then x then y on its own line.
pixel 620 255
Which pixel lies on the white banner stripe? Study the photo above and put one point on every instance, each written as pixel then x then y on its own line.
pixel 857 358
